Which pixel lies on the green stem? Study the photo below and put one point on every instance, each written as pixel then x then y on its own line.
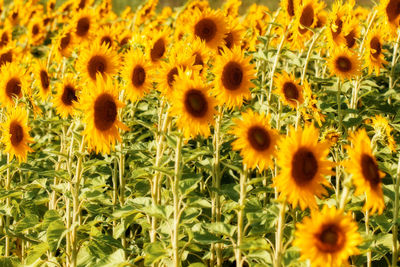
pixel 122 189
pixel 7 222
pixel 369 254
pixel 394 59
pixel 240 229
pixel 176 196
pixel 303 75
pixel 339 91
pixel 279 235
pixel 395 217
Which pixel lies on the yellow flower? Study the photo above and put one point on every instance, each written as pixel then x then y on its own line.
pixel 64 43
pixel 42 79
pixel 13 84
pixel 366 174
pixel 15 131
pixel 233 73
pixel 374 57
pixel 156 46
pixel 84 24
pixel 328 237
pixel 256 140
pixel 382 130
pixel 66 99
pixel 289 89
pixel 100 105
pixel 193 105
pixel 138 74
pixel 344 64
pixel 303 163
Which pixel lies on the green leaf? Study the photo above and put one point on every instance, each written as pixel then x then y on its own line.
pixel 55 232
pixel 188 185
pixel 7 262
pixel 27 223
pixel 153 253
pixel 36 251
pixel 221 228
pixel 197 264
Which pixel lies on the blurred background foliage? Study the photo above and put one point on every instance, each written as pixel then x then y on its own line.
pixel 119 5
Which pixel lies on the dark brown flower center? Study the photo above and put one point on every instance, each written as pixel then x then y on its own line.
pixel 105 112
pixel 82 4
pixel 65 41
pixel 370 170
pixel 229 40
pixel 17 133
pixel 393 10
pixel 13 88
pixel 290 91
pixel 44 79
pixel 171 76
pixel 138 76
pixel 158 50
pixel 259 138
pixel 306 18
pixel 304 166
pixel 82 28
pixel 35 29
pixel 96 64
pixel 52 5
pixel 343 64
pixel 69 95
pixel 351 39
pixel 196 103
pixel 205 29
pixel 198 60
pixel 4 39
pixel 106 40
pixel 232 76
pixel 330 239
pixel 290 8
pixel 339 24
pixel 376 45
pixel 5 58
pixel 124 41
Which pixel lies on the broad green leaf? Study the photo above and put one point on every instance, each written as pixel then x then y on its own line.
pixel 36 251
pixel 55 232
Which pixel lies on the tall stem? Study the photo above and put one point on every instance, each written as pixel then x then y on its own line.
pixel 395 228
pixel 369 254
pixel 338 96
pixel 240 229
pixel 314 40
pixel 176 196
pixel 122 189
pixel 279 234
pixel 394 59
pixel 7 222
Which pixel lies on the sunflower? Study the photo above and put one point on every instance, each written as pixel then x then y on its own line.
pixel 51 6
pixel 305 17
pixel 337 22
pixel 193 105
pixel 200 53
pixel 328 238
pixel 146 11
pixel 288 8
pixel 233 73
pixel 15 131
pixel 256 140
pixel 107 35
pixel 97 59
pixel 231 8
pixel 36 31
pixel 210 26
pixel 156 46
pixel 42 78
pixel 383 131
pixel 303 163
pixel 289 89
pixel 137 72
pixel 84 24
pixel 64 43
pixel 100 105
pixel 352 32
pixel 388 9
pixel 66 99
pixel 374 57
pixel 5 36
pixel 82 4
pixel 9 53
pixel 13 83
pixel 366 174
pixel 344 64
pixel 234 34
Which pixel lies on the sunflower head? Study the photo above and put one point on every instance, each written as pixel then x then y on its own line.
pixel 328 238
pixel 210 26
pixel 233 74
pixel 303 163
pixel 100 105
pixel 366 174
pixel 193 106
pixel 157 44
pixel 256 141
pixel 42 78
pixel 390 11
pixel 344 64
pixel 83 24
pixel 15 132
pixel 64 43
pixel 374 57
pixel 67 97
pixel 13 84
pixel 289 89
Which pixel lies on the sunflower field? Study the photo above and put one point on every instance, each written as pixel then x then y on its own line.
pixel 199 136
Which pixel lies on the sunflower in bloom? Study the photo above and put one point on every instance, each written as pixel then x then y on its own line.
pixel 42 78
pixel 5 35
pixel 97 59
pixel 328 237
pixel 389 10
pixel 234 34
pixel 157 45
pixel 13 84
pixel 366 174
pixel 66 98
pixel 137 72
pixel 374 57
pixel 84 24
pixel 193 106
pixel 233 73
pixel 383 131
pixel 256 141
pixel 15 134
pixel 337 24
pixel 210 26
pixel 289 89
pixel 64 43
pixel 303 163
pixel 107 35
pixel 100 105
pixel 344 64
pixel 9 53
pixel 36 31
pixel 200 53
